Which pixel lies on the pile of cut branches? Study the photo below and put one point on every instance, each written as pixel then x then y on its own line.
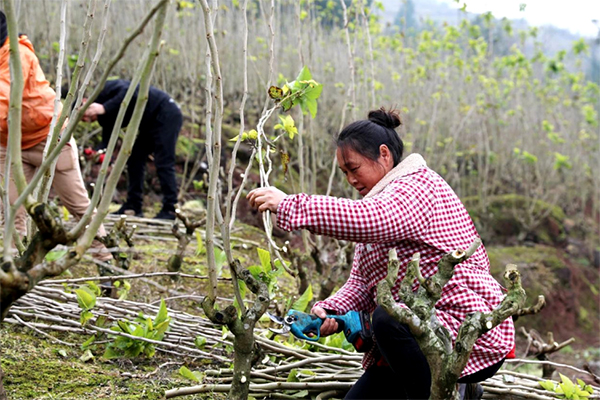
pixel 284 369
pixel 283 366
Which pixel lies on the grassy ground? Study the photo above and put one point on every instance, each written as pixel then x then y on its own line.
pixel 35 368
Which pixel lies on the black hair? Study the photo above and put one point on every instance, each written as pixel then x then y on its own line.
pixel 3 28
pixel 367 135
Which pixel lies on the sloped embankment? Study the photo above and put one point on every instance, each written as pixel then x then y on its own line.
pixel 556 256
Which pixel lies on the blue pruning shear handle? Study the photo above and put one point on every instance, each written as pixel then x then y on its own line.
pixel 301 324
pixel 356 326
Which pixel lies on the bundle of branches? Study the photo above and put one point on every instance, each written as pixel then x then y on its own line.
pixel 284 370
pixel 155 229
pixel 514 385
pixel 282 366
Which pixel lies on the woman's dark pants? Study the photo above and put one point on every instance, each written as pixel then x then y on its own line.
pixel 158 138
pixel 408 375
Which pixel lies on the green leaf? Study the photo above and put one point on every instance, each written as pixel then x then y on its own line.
pixel 265 259
pixel 561 161
pixel 110 353
pixel 288 303
pixel 162 315
pixel 314 92
pixel 95 289
pixel 85 298
pixel 65 213
pixel 307 372
pixel 293 376
pixel 301 394
pixel 279 267
pixel 85 317
pixel 88 342
pixel 86 356
pixel 335 340
pixel 220 260
pixel 133 351
pixel 149 350
pixel 200 342
pixel 200 249
pixel 139 331
pixel 590 115
pixel 101 321
pixel 256 270
pixel 567 386
pixel 62 352
pixel 581 393
pixel 302 302
pixel 72 60
pixel 311 106
pixel 124 325
pixel 161 328
pixel 304 75
pixel 242 287
pixel 547 126
pixel 555 138
pixel 529 158
pixel 286 104
pixel 580 46
pixel 186 373
pixel 547 385
pixel 55 255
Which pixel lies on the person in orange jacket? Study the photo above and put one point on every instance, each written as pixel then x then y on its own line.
pixel 37 111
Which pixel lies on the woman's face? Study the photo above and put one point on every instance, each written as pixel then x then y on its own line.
pixel 362 172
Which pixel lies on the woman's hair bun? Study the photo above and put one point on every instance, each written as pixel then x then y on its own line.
pixel 388 119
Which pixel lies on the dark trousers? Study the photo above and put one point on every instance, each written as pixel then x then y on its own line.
pixel 408 375
pixel 158 138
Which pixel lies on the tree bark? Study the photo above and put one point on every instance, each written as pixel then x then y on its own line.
pixel 183 239
pixel 446 361
pixel 242 327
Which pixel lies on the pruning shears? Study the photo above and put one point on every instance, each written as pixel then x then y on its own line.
pixel 355 325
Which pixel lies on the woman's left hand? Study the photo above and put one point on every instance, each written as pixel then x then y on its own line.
pixel 267 198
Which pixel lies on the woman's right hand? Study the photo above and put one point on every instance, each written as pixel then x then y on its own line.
pixel 266 198
pixel 330 325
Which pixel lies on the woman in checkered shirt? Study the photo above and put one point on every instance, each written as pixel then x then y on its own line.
pixel 409 207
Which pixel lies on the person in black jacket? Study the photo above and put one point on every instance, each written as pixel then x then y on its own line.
pixel 157 135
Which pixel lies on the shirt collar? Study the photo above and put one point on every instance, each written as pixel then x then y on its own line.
pixel 406 167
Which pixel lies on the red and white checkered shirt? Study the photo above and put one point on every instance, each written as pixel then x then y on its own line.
pixel 417 211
